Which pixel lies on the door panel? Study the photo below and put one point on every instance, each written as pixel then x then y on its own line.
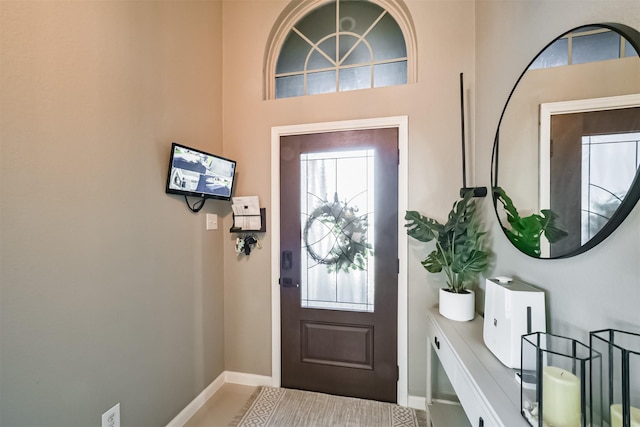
pixel 339 222
pixel 337 345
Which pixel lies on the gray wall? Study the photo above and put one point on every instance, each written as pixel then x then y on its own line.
pixel 111 290
pixel 598 289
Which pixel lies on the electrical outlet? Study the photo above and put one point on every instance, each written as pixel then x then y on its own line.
pixel 212 222
pixel 111 418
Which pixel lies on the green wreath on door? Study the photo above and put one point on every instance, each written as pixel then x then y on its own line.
pixel 350 249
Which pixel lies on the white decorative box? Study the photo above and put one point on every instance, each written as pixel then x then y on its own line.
pixel 512 308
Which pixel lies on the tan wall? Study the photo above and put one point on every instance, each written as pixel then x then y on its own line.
pixel 433 108
pixel 111 290
pixel 506 35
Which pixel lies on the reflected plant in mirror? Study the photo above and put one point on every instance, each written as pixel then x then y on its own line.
pixel 568 141
pixel 526 233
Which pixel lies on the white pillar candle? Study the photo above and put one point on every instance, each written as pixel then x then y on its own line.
pixel 560 397
pixel 616 416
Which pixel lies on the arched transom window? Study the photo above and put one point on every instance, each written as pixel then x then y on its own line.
pixel 339 46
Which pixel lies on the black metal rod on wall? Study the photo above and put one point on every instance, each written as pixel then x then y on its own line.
pixel 464 149
pixel 477 191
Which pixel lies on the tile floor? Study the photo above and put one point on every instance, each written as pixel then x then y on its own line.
pixel 222 407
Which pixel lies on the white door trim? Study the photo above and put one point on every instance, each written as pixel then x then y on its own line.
pixel 400 122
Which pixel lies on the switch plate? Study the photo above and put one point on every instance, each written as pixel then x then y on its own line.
pixel 212 222
pixel 111 418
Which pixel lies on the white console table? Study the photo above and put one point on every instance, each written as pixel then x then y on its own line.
pixel 486 389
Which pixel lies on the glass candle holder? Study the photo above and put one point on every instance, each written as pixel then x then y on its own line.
pixel 616 385
pixel 555 381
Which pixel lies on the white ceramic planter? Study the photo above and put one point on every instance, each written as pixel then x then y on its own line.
pixel 460 307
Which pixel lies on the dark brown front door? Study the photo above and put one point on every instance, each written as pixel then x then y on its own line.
pixel 339 262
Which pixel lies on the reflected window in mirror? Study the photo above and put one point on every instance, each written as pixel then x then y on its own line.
pixel 596 46
pixel 590 44
pixel 556 55
pixel 629 51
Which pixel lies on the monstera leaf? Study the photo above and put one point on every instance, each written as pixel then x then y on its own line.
pixel 525 232
pixel 459 251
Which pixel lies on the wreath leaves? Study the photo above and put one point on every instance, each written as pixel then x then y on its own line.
pixel 348 230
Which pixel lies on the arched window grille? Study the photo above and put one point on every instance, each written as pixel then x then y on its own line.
pixel 339 45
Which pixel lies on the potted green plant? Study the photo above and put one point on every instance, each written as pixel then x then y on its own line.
pixel 460 253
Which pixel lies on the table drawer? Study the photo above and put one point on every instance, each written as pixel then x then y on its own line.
pixel 443 350
pixel 477 410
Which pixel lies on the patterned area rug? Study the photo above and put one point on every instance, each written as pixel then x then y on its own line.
pixel 280 407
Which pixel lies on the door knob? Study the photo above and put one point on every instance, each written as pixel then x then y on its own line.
pixel 287 282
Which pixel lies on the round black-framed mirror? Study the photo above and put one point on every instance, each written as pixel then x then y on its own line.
pixel 563 175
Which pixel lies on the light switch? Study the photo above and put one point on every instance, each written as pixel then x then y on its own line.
pixel 212 222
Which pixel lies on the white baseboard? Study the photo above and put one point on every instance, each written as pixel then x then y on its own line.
pixel 247 379
pixel 198 402
pixel 417 402
pixel 225 377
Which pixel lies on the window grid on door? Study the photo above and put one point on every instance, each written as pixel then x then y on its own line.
pixel 337 223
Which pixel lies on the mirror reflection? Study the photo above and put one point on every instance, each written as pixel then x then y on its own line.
pixel 567 149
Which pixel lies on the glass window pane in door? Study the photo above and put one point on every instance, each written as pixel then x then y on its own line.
pixel 337 220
